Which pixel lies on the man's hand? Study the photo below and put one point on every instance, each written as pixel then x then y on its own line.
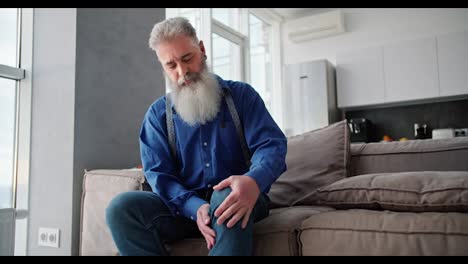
pixel 203 221
pixel 240 202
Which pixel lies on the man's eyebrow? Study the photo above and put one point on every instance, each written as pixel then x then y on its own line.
pixel 186 55
pixel 183 57
pixel 170 62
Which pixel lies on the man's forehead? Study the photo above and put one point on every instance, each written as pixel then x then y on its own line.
pixel 171 50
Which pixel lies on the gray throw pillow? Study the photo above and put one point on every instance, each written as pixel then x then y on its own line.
pixel 314 159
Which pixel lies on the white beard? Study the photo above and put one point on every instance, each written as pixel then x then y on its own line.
pixel 199 101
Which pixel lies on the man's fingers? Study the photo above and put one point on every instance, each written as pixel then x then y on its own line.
pixel 223 184
pixel 209 235
pixel 230 199
pixel 212 241
pixel 208 244
pixel 228 213
pixel 209 231
pixel 205 217
pixel 236 217
pixel 209 241
pixel 245 220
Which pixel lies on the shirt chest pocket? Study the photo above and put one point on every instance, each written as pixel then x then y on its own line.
pixel 229 151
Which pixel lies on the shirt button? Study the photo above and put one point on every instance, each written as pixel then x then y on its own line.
pixel 205 144
pixel 177 213
pixel 209 185
pixel 191 217
pixel 207 165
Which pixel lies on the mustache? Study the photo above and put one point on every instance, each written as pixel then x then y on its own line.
pixel 189 76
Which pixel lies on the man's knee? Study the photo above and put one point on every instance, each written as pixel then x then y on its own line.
pixel 118 207
pixel 125 206
pixel 134 206
pixel 218 197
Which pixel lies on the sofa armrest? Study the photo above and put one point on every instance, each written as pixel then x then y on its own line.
pixel 99 187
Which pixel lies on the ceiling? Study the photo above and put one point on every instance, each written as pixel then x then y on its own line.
pixel 291 13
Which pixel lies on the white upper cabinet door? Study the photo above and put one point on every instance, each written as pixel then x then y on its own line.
pixel 411 70
pixel 360 77
pixel 453 63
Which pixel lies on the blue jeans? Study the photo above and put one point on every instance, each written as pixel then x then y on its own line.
pixel 141 224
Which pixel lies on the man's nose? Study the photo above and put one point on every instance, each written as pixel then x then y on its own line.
pixel 182 70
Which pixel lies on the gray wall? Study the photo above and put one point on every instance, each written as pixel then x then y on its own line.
pixel 52 126
pixel 117 77
pixel 94 76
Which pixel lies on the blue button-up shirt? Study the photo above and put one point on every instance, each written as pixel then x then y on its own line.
pixel 209 153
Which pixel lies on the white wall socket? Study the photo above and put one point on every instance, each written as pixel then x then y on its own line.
pixel 49 237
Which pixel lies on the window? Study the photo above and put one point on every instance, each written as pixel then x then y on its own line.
pixel 16 29
pixel 260 58
pixel 228 52
pixel 226 58
pixel 7 129
pixel 193 15
pixel 228 16
pixel 8 88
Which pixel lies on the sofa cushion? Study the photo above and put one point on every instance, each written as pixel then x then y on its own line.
pixel 369 232
pixel 405 191
pixel 412 155
pixel 274 235
pixel 277 234
pixel 313 159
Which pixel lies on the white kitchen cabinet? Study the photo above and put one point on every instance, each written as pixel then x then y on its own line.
pixel 452 51
pixel 310 101
pixel 360 77
pixel 410 70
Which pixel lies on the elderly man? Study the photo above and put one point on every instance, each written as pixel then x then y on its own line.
pixel 210 152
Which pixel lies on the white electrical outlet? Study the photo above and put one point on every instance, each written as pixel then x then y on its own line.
pixel 461 132
pixel 49 237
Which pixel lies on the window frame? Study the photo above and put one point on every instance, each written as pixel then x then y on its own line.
pixel 233 36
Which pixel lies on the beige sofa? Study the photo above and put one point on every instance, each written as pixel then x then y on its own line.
pixel 417 212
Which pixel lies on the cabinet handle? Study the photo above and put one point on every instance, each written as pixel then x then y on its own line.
pixel 303 77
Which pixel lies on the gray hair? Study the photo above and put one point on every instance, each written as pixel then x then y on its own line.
pixel 170 29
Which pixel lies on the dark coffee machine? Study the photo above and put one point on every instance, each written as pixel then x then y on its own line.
pixel 360 129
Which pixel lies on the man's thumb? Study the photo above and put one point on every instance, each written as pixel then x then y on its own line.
pixel 223 184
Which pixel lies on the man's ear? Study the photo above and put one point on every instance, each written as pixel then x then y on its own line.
pixel 202 47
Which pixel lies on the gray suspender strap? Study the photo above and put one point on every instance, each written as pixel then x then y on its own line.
pixel 235 119
pixel 170 128
pixel 238 125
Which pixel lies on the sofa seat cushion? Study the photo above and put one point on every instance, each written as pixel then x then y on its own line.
pixel 274 235
pixel 277 234
pixel 369 232
pixel 426 191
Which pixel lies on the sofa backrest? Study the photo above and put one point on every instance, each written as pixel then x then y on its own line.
pixel 413 155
